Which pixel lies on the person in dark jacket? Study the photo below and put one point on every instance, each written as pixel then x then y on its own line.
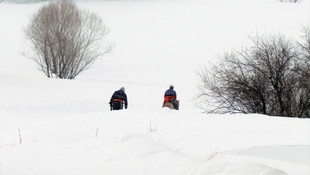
pixel 171 96
pixel 118 99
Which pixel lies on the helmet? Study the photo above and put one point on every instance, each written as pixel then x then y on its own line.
pixel 171 86
pixel 122 89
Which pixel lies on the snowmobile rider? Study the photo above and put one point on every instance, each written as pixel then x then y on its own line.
pixel 171 96
pixel 118 99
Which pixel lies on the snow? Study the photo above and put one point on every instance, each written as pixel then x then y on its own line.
pixel 66 126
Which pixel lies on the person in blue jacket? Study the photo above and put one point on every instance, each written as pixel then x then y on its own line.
pixel 171 96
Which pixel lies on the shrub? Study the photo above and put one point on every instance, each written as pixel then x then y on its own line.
pixel 266 78
pixel 64 39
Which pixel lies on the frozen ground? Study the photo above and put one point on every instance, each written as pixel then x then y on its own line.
pixel 66 126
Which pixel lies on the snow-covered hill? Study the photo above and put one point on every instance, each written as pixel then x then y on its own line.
pixel 66 126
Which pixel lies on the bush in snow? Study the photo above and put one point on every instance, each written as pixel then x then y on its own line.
pixel 270 77
pixel 64 39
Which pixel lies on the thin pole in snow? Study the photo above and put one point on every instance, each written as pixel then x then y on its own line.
pixel 20 136
pixel 97 131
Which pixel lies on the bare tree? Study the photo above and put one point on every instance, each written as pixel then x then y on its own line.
pixel 302 68
pixel 65 40
pixel 260 79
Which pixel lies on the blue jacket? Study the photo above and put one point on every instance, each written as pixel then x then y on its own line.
pixel 171 92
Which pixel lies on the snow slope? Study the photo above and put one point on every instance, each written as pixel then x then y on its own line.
pixel 66 126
